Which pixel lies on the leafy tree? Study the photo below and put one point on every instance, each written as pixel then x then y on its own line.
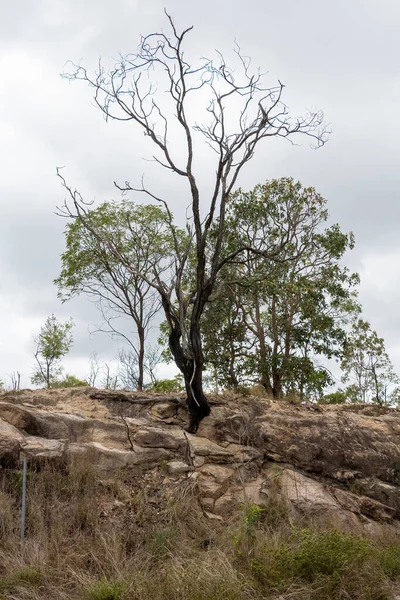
pixel 228 348
pixel 241 112
pixel 53 342
pixel 366 363
pixel 278 317
pixel 141 235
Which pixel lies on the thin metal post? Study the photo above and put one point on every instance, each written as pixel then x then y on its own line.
pixel 23 511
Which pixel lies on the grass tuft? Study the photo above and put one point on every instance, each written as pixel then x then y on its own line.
pixel 103 589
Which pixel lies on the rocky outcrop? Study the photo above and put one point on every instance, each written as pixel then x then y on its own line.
pixel 341 461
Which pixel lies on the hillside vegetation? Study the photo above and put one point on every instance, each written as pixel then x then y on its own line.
pixel 303 505
pixel 122 539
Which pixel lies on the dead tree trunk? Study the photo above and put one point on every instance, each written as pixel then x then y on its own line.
pixel 192 371
pixel 140 382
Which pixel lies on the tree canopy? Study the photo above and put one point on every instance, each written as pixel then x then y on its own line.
pixel 242 111
pixel 142 235
pixel 272 319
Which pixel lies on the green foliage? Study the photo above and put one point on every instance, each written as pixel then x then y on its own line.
pixel 26 577
pixel 122 281
pixel 162 340
pixel 284 297
pixel 16 481
pixel 53 342
pixel 339 397
pixel 252 515
pixel 309 555
pixel 69 381
pixel 163 542
pixel 105 589
pixel 140 234
pixel 389 559
pixel 245 535
pixel 168 385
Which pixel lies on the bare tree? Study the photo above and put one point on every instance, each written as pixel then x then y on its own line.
pixel 94 369
pixel 242 112
pixel 110 381
pixel 15 378
pixel 129 371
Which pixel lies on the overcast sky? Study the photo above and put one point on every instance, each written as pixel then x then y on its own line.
pixel 341 57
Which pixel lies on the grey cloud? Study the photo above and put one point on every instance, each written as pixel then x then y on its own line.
pixel 341 57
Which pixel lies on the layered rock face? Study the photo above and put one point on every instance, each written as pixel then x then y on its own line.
pixel 336 461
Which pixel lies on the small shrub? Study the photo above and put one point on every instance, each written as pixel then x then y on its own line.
pixel 28 577
pixel 244 537
pixel 252 515
pixel 276 512
pixel 69 381
pixel 258 390
pixel 105 589
pixel 168 385
pixel 243 390
pixel 339 397
pixel 163 541
pixel 389 559
pixel 309 555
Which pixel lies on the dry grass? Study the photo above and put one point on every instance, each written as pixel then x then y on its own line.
pixel 128 539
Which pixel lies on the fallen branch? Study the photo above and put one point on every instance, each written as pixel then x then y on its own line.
pixel 145 399
pixel 137 399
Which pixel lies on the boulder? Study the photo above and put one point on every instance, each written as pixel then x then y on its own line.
pixel 10 445
pixel 177 467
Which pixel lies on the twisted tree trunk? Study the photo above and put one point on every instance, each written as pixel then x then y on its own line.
pixel 191 368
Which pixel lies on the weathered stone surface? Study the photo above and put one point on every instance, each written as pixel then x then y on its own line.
pixel 214 480
pixel 10 443
pixel 38 447
pixel 111 459
pixel 31 421
pixel 8 431
pixel 176 467
pixel 243 454
pixel 200 446
pixel 334 439
pixel 342 461
pixel 9 452
pixel 305 493
pixel 253 491
pixel 225 505
pixel 219 473
pixel 156 437
pixel 164 411
pixel 363 505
